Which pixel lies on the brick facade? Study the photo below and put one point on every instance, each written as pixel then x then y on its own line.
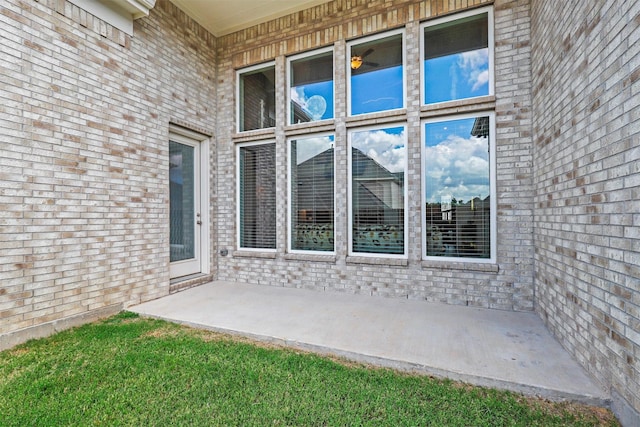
pixel 84 121
pixel 507 285
pixel 586 86
pixel 84 125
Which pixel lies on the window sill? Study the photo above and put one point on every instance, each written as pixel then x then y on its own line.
pixel 458 106
pixel 377 118
pixel 251 135
pixel 317 126
pixel 310 257
pixel 400 262
pixel 252 254
pixel 464 266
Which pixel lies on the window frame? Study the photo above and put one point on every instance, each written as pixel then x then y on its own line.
pixel 491 46
pixel 290 198
pixel 309 55
pixel 367 39
pixel 492 190
pixel 238 148
pixel 350 210
pixel 239 103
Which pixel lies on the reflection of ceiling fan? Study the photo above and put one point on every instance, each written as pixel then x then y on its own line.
pixel 358 60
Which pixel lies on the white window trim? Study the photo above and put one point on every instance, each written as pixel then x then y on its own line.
pixel 239 73
pixel 404 69
pixel 461 15
pixel 492 190
pixel 238 219
pixel 289 198
pixel 310 54
pixel 350 193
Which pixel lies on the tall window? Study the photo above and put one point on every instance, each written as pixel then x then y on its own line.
pixel 457 58
pixel 458 187
pixel 376 70
pixel 377 174
pixel 311 178
pixel 311 88
pixel 257 196
pixel 256 98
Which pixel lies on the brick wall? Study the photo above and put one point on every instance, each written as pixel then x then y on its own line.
pixel 586 86
pixel 84 120
pixel 509 285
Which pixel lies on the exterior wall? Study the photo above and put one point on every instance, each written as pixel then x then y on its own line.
pixel 586 86
pixel 506 285
pixel 84 122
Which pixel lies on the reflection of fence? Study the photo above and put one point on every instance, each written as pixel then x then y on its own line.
pixel 464 232
pixel 313 237
pixel 181 239
pixel 387 239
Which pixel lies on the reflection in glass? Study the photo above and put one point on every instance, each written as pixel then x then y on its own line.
pixel 377 82
pixel 311 91
pixel 458 188
pixel 257 99
pixel 378 163
pixel 181 202
pixel 312 194
pixel 456 59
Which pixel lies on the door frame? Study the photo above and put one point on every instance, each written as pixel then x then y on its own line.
pixel 201 142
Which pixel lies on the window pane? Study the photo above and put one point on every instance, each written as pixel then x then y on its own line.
pixel 257 182
pixel 458 188
pixel 312 192
pixel 311 89
pixel 181 201
pixel 378 159
pixel 456 59
pixel 377 75
pixel 257 99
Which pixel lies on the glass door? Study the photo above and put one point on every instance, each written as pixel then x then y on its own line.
pixel 184 200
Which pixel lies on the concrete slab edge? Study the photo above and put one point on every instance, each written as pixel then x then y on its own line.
pixel 625 413
pixel 533 391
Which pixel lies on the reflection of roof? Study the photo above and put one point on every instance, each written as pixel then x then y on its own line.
pixel 299 115
pixel 480 127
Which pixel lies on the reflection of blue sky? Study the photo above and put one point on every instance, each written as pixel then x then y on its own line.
pixel 309 147
pixel 459 76
pixel 301 95
pixel 457 164
pixel 378 90
pixel 385 146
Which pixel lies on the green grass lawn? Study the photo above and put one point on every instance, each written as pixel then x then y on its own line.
pixel 132 371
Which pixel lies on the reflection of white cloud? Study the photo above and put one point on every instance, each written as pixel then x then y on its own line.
pixel 458 168
pixel 308 147
pixel 386 149
pixel 475 67
pixel 298 96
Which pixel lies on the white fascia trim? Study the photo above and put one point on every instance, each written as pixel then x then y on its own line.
pixel 119 13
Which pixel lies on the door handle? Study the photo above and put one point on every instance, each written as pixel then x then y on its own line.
pixel 198 221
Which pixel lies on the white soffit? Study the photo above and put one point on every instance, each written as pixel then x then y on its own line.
pixel 222 17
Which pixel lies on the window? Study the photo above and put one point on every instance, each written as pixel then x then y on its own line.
pixel 256 98
pixel 376 75
pixel 311 88
pixel 457 58
pixel 377 160
pixel 459 204
pixel 311 179
pixel 257 196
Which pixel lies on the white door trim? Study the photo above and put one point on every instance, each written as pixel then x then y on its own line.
pixel 202 149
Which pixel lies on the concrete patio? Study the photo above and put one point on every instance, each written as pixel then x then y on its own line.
pixel 493 348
